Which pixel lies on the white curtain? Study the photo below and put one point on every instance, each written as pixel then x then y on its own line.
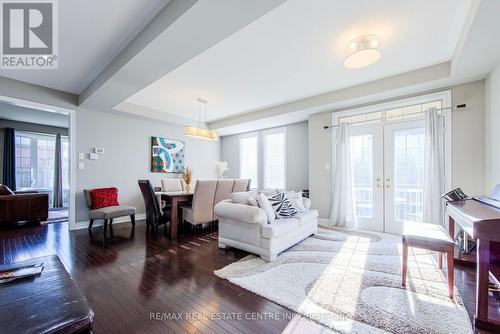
pixel 342 207
pixel 433 168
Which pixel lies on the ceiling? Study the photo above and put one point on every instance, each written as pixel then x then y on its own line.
pixel 296 51
pixel 91 34
pixel 22 114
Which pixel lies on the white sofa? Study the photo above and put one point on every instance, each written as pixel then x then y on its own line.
pixel 245 227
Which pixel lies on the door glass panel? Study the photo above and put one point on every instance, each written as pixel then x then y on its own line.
pixel 362 174
pixel 409 151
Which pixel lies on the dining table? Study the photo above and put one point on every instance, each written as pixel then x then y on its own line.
pixel 174 199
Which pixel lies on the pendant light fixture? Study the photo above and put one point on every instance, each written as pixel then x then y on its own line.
pixel 199 132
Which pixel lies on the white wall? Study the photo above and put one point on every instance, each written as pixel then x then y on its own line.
pixel 492 128
pixel 297 153
pixel 468 155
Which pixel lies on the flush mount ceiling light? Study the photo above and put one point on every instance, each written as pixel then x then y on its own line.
pixel 199 132
pixel 362 51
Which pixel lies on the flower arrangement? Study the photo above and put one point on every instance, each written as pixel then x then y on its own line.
pixel 186 176
pixel 220 167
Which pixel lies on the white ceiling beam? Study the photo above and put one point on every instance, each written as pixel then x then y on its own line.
pixel 182 30
pixel 378 89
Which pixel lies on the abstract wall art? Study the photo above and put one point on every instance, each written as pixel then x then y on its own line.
pixel 167 155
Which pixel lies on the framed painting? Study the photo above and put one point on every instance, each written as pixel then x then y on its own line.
pixel 167 155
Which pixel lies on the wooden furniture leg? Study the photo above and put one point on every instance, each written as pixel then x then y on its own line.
pixel 105 226
pixel 451 227
pixel 482 276
pixel 451 273
pixel 91 223
pixel 405 260
pixel 440 260
pixel 173 219
pixel 132 219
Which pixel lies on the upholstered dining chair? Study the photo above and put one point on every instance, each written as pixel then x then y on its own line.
pixel 201 210
pixel 155 216
pixel 241 185
pixel 223 191
pixel 171 185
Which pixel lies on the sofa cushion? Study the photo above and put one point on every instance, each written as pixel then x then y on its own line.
pixel 282 206
pixel 242 197
pixel 295 199
pixel 111 212
pixel 279 227
pixel 104 197
pixel 307 216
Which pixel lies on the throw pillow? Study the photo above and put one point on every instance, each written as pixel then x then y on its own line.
pixel 4 190
pixel 266 206
pixel 252 201
pixel 282 206
pixel 104 197
pixel 295 199
pixel 242 197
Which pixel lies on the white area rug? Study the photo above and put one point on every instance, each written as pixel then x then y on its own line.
pixel 350 281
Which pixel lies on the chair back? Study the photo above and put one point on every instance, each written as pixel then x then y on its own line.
pixel 203 200
pixel 171 185
pixel 88 199
pixel 150 202
pixel 241 185
pixel 224 190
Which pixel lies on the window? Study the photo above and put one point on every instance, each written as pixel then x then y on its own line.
pixel 263 158
pixel 35 162
pixel 274 159
pixel 249 159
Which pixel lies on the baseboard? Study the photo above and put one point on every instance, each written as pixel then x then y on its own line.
pixel 119 220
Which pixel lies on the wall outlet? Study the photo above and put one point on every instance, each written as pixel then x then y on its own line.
pixel 98 150
pixel 81 165
pixel 327 166
pixel 93 156
pixel 81 156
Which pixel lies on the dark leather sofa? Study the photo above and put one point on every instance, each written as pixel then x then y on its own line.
pixel 23 206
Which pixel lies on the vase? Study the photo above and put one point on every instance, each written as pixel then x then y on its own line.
pixel 188 187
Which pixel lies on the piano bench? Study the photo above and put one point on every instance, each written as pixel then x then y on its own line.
pixel 431 237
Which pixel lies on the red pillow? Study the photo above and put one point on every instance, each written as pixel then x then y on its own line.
pixel 104 197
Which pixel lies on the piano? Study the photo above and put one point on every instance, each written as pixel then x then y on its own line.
pixel 482 222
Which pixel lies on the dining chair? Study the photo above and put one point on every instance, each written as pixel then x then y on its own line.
pixel 155 216
pixel 223 191
pixel 171 185
pixel 201 210
pixel 241 185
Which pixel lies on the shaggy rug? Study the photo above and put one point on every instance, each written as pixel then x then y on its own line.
pixel 350 281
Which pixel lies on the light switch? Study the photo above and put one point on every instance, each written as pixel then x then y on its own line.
pixel 327 166
pixel 81 156
pixel 93 156
pixel 81 165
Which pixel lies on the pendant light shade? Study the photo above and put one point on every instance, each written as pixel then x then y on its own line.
pixel 199 132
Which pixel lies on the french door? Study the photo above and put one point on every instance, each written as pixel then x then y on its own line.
pixel 387 169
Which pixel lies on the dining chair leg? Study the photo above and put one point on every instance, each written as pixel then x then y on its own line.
pixel 449 260
pixel 440 260
pixel 405 261
pixel 105 226
pixel 91 223
pixel 132 219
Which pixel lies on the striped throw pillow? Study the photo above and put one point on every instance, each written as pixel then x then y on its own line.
pixel 282 206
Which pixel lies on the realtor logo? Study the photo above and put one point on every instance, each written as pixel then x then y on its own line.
pixel 29 34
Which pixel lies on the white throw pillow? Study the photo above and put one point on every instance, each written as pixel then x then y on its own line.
pixel 242 197
pixel 269 192
pixel 295 199
pixel 266 206
pixel 253 201
pixel 282 206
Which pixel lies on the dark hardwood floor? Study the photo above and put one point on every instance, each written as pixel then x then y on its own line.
pixel 134 282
